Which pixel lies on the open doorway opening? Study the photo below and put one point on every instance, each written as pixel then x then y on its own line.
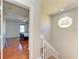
pixel 16 25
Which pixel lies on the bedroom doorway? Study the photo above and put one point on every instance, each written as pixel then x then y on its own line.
pixel 16 31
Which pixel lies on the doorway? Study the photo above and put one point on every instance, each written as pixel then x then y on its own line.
pixel 16 31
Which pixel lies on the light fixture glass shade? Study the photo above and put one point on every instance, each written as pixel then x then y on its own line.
pixel 65 22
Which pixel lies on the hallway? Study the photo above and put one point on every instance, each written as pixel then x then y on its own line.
pixel 16 49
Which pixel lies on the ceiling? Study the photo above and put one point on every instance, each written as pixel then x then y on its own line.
pixel 15 13
pixel 52 6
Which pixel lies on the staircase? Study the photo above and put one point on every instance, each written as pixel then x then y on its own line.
pixel 52 57
pixel 48 51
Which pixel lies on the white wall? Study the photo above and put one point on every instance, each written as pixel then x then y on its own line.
pixel 34 42
pixel 0 24
pixel 0 33
pixel 27 27
pixel 65 41
pixel 12 28
pixel 4 32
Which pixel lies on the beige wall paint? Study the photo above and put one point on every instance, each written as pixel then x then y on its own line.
pixel 49 7
pixel 65 41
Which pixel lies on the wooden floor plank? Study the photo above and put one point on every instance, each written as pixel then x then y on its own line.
pixel 16 49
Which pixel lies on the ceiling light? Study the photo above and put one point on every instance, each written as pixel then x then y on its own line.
pixel 24 20
pixel 65 22
pixel 62 10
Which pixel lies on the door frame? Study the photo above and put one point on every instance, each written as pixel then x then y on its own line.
pixel 30 7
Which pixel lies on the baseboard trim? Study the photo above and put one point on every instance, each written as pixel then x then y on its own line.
pixel 12 37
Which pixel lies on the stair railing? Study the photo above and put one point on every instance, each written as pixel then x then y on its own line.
pixel 48 49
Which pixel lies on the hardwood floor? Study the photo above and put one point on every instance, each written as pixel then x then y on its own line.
pixel 15 49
